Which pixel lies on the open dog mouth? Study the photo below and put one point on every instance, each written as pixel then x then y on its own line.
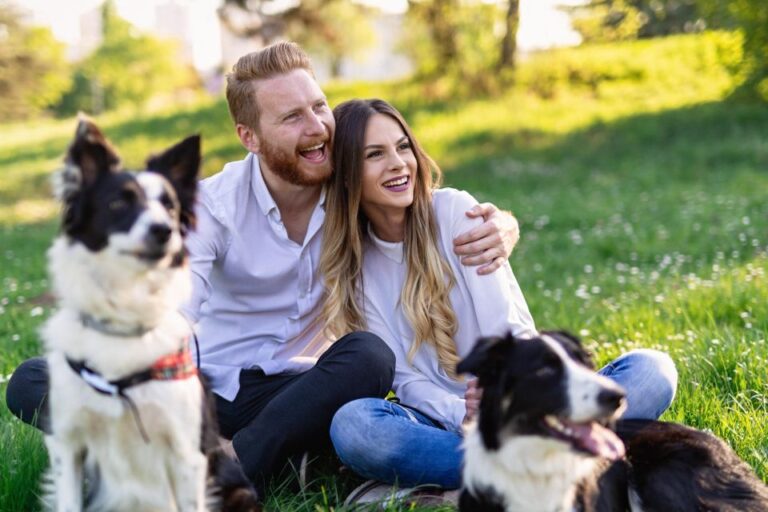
pixel 315 153
pixel 590 437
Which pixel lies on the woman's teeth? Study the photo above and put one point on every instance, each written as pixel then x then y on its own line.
pixel 396 182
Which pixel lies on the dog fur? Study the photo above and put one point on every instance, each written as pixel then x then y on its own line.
pixel 516 461
pixel 120 261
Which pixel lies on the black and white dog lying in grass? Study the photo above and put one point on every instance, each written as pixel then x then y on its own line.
pixel 542 442
pixel 128 410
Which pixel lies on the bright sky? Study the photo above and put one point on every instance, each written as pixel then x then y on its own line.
pixel 541 24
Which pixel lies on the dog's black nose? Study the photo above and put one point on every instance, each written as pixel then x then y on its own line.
pixel 610 398
pixel 160 233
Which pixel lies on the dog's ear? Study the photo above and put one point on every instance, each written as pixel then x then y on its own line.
pixel 488 360
pixel 573 346
pixel 180 164
pixel 89 155
pixel 486 355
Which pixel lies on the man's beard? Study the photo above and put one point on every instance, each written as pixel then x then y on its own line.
pixel 286 166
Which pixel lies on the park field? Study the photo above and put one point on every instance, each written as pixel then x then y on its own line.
pixel 641 190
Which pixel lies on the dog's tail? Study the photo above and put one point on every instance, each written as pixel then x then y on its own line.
pixel 232 489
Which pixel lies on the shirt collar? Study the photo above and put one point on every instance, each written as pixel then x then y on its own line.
pixel 260 190
pixel 263 197
pixel 392 250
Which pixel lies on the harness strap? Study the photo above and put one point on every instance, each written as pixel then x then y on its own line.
pixel 176 366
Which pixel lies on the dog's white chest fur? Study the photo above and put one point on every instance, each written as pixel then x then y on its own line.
pixel 531 474
pixel 91 430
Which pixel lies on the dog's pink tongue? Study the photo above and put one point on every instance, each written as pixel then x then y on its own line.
pixel 599 440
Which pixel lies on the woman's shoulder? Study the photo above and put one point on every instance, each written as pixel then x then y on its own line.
pixel 451 206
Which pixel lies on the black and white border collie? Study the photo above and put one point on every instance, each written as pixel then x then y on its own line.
pixel 542 442
pixel 130 418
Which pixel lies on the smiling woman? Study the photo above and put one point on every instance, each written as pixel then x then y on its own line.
pixel 389 268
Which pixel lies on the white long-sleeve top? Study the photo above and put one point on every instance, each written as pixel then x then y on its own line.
pixel 256 293
pixel 489 305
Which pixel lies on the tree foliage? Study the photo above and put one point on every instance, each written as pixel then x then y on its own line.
pixel 127 68
pixel 750 17
pixel 469 40
pixel 613 20
pixel 333 29
pixel 33 69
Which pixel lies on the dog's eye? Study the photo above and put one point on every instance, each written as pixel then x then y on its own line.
pixel 118 204
pixel 167 202
pixel 546 371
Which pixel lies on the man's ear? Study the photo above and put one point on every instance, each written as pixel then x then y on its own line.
pixel 180 164
pixel 89 155
pixel 249 137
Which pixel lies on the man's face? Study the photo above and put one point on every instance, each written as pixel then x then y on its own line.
pixel 295 129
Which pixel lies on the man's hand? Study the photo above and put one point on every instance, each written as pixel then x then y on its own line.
pixel 472 397
pixel 489 244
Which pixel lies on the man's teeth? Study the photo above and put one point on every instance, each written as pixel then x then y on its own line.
pixel 554 424
pixel 319 146
pixel 397 182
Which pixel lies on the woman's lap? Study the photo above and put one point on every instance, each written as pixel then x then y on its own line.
pixel 385 441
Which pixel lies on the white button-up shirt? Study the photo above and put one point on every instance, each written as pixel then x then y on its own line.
pixel 489 305
pixel 256 293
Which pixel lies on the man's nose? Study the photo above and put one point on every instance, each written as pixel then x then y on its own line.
pixel 315 125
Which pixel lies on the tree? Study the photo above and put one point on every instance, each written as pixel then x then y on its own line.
pixel 127 68
pixel 611 20
pixel 509 40
pixel 33 69
pixel 750 17
pixel 330 28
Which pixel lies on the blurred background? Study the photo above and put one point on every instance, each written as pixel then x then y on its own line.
pixel 629 137
pixel 60 57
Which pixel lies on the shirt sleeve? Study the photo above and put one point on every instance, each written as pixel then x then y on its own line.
pixel 497 299
pixel 205 244
pixel 411 386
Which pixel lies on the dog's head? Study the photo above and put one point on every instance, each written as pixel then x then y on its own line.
pixel 545 387
pixel 134 216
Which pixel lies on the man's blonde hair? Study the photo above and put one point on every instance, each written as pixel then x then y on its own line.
pixel 273 60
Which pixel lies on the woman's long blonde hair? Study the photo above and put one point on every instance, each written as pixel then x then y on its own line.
pixel 425 296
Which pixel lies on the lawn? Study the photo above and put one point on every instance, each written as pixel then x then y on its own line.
pixel 641 190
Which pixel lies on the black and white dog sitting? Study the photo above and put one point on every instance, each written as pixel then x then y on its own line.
pixel 541 443
pixel 128 409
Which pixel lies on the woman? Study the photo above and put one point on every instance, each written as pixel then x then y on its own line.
pixel 389 267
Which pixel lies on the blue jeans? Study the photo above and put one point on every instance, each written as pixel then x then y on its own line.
pixel 385 441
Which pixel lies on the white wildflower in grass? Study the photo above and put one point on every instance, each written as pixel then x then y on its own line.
pixel 588 269
pixel 15 337
pixel 36 311
pixel 584 332
pixel 745 221
pixel 595 290
pixel 659 298
pixel 582 292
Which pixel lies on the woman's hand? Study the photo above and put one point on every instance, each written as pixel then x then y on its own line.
pixel 472 397
pixel 489 244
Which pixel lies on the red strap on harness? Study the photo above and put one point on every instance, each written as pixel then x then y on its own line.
pixel 176 366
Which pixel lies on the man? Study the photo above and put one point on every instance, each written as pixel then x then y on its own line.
pixel 257 295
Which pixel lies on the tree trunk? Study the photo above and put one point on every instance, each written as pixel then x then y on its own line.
pixel 509 41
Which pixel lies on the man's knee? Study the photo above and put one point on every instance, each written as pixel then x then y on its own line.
pixel 368 355
pixel 27 390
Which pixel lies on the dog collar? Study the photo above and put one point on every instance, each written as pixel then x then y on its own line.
pixel 176 366
pixel 107 327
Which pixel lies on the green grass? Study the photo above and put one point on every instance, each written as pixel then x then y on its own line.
pixel 641 195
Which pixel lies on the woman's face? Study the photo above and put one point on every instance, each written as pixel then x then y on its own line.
pixel 389 166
